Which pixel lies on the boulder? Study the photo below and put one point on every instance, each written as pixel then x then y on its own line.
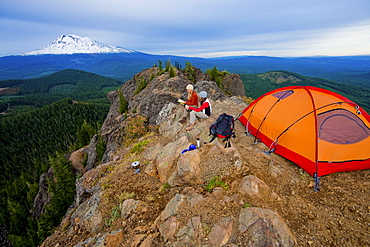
pixel 168 228
pixel 221 232
pixel 264 227
pixel 190 235
pixel 86 186
pixel 166 158
pixel 172 207
pixel 92 155
pixel 233 84
pixel 253 186
pixel 188 170
pixel 87 215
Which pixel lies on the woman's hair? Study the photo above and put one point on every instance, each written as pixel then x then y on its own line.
pixel 190 89
pixel 190 94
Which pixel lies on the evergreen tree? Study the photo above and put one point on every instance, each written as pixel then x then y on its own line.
pixel 160 65
pixel 123 103
pixel 62 187
pixel 27 140
pixel 190 72
pixel 84 134
pixel 141 83
pixel 100 147
pixel 168 65
pixel 214 73
pixel 172 72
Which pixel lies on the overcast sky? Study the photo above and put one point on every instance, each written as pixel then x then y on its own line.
pixel 201 28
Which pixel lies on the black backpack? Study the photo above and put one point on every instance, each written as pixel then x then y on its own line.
pixel 223 128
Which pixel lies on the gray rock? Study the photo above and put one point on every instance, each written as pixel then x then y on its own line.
pixel 172 207
pixel 188 170
pixel 165 161
pixel 128 206
pixel 190 235
pixel 264 227
pixel 253 186
pixel 88 215
pixel 42 197
pixel 221 232
pixel 233 83
pixel 92 156
pixel 168 228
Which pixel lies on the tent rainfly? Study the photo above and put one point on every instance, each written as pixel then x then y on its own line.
pixel 317 129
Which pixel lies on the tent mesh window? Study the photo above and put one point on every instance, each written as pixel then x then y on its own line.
pixel 341 127
pixel 283 94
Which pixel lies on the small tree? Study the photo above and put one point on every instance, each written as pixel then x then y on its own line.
pixel 141 83
pixel 135 127
pixel 168 65
pixel 189 71
pixel 160 65
pixel 216 76
pixel 214 73
pixel 172 72
pixel 123 104
pixel 101 146
pixel 177 65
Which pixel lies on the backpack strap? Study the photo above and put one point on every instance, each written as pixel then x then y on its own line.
pixel 212 139
pixel 227 140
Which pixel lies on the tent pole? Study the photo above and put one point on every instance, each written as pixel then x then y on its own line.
pixel 263 120
pixel 316 174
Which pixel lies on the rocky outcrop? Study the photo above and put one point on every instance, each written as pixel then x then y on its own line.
pixel 42 197
pixel 159 92
pixel 171 200
pixel 233 83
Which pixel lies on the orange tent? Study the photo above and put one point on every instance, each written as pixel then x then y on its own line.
pixel 319 130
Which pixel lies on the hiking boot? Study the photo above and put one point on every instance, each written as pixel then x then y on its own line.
pixel 182 120
pixel 190 127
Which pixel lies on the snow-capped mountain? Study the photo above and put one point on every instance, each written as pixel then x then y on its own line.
pixel 73 44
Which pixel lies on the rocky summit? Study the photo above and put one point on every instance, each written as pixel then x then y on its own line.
pixel 148 191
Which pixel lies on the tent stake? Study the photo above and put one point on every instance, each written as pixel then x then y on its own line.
pixel 317 185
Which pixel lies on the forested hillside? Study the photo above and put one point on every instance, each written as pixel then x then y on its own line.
pixel 39 92
pixel 257 84
pixel 31 143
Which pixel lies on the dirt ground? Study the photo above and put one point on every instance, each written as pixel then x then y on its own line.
pixel 337 215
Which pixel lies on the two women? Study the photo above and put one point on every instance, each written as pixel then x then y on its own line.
pixel 203 112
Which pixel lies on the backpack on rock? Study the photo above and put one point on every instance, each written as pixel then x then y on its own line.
pixel 223 128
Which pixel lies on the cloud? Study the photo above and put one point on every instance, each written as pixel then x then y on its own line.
pixel 192 27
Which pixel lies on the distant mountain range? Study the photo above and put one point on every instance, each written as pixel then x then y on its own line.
pixel 74 52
